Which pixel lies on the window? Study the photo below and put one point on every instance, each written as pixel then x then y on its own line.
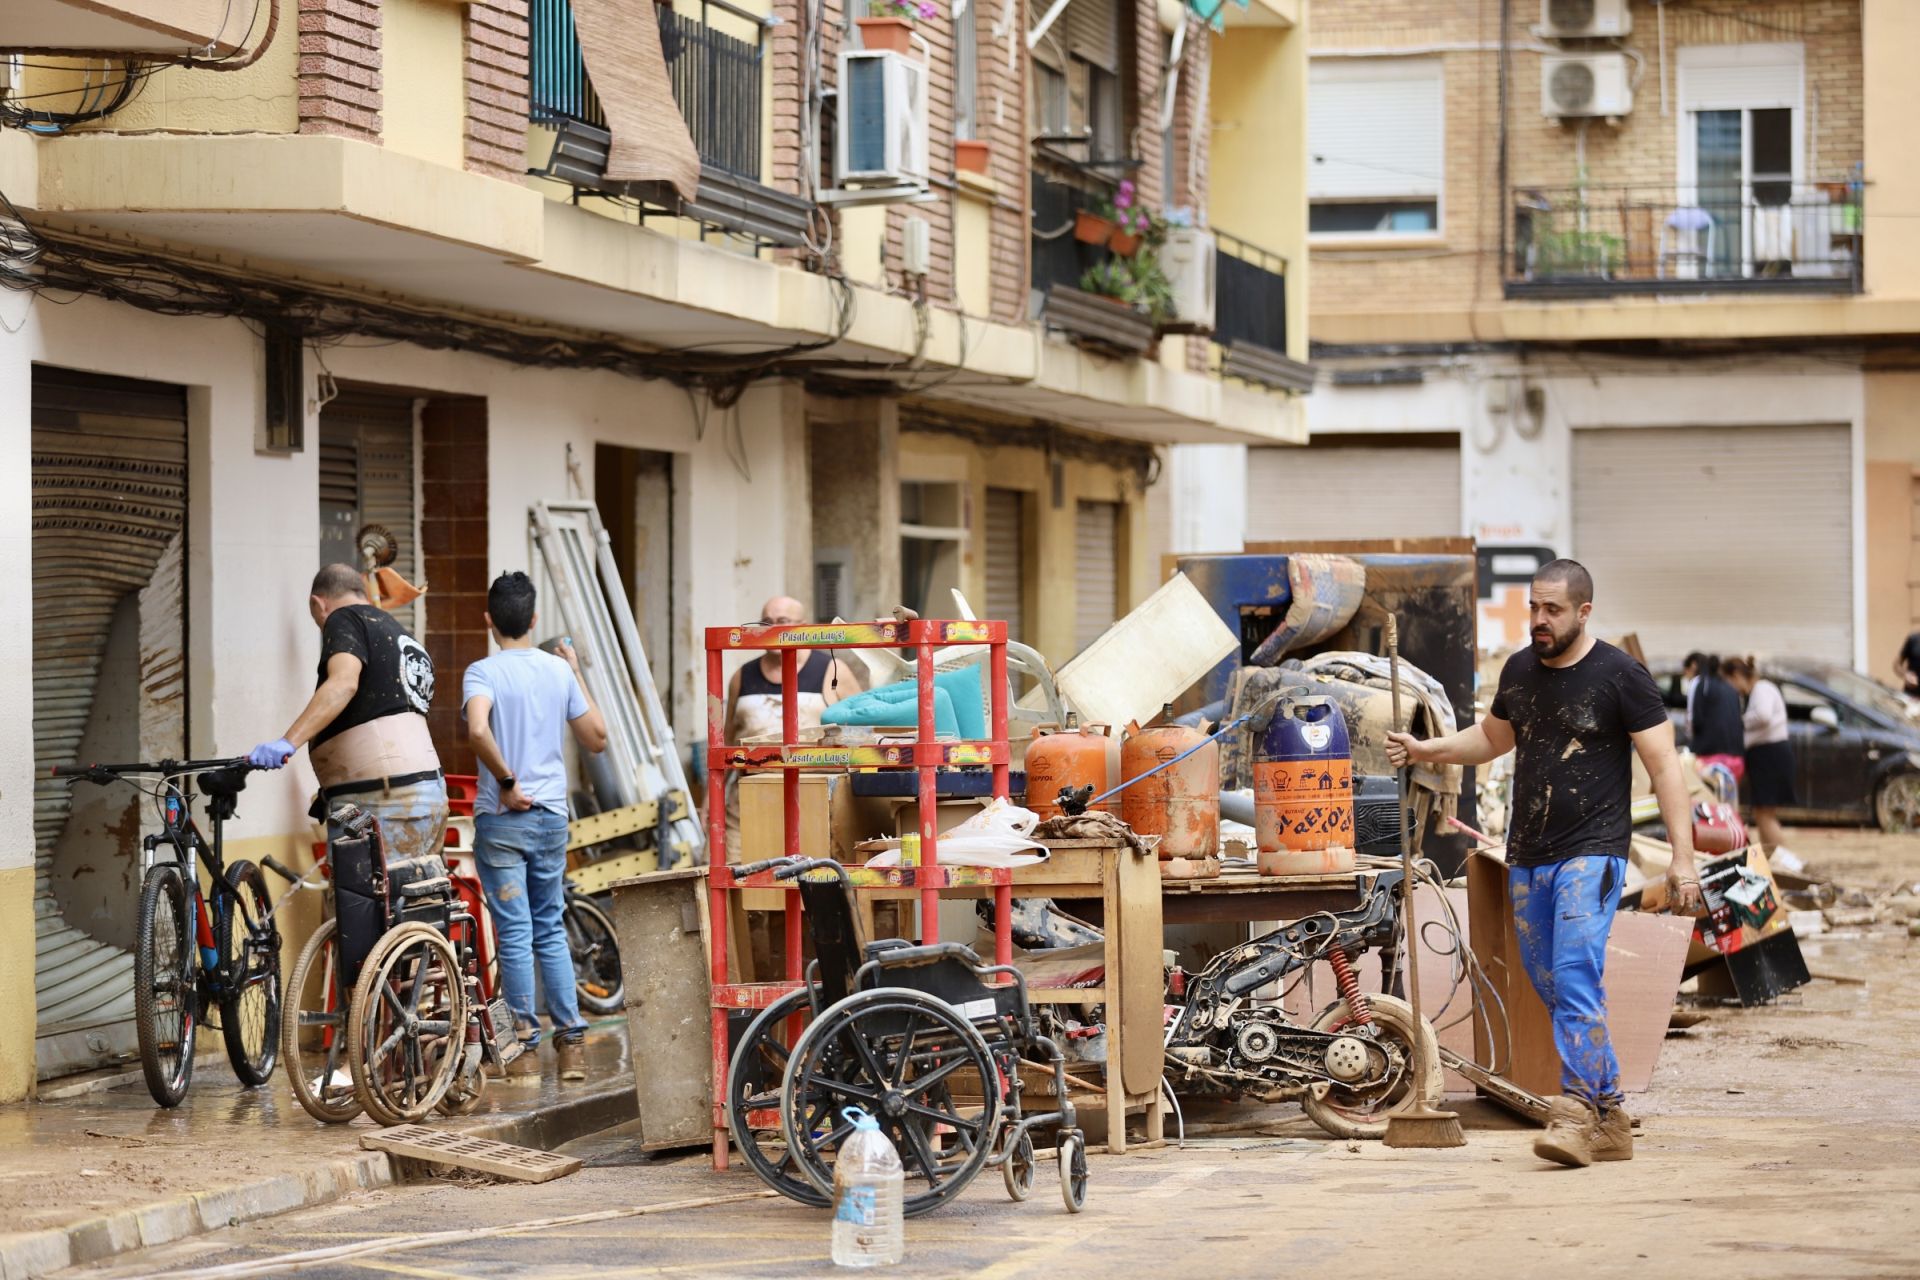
pixel 1106 122
pixel 1740 146
pixel 1375 132
pixel 966 75
pixel 1050 100
pixel 932 534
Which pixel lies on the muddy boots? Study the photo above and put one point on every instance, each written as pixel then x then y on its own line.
pixel 1576 1136
pixel 571 1051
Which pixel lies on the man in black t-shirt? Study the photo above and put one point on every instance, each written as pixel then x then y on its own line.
pixel 367 719
pixel 1907 666
pixel 1576 708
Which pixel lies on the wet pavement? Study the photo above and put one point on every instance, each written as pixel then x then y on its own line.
pixel 108 1150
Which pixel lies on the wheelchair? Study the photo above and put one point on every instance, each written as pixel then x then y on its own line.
pixel 391 983
pixel 914 1035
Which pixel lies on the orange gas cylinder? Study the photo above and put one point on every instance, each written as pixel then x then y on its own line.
pixel 1303 790
pixel 1180 804
pixel 1061 758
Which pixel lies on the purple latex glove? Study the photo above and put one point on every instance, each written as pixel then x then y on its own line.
pixel 271 755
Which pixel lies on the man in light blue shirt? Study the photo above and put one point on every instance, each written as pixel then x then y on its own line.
pixel 519 705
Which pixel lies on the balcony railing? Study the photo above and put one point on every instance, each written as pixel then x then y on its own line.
pixel 1250 315
pixel 1060 262
pixel 1760 236
pixel 717 84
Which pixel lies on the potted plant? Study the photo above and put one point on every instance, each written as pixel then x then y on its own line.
pixel 1090 226
pixel 972 155
pixel 1137 283
pixel 1130 220
pixel 889 24
pixel 1113 280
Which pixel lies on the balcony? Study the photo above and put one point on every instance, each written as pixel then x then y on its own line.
pixel 1760 237
pixel 718 82
pixel 1060 262
pixel 1250 315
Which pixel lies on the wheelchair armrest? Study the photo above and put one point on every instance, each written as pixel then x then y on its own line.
pixel 438 888
pixel 933 951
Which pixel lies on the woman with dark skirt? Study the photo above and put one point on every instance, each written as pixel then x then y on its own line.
pixel 1769 755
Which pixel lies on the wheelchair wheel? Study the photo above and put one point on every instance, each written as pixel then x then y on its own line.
pixel 406 1024
pixel 1018 1168
pixel 1073 1171
pixel 313 1031
pixel 908 1059
pixel 753 1100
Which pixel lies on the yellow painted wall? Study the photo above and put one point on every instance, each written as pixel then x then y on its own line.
pixel 1890 34
pixel 1259 156
pixel 262 98
pixel 16 983
pixel 423 79
pixel 1050 555
pixel 1892 486
pixel 973 250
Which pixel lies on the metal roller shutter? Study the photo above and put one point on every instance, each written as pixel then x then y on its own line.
pixel 1353 491
pixel 1724 539
pixel 1006 560
pixel 1096 574
pixel 1375 128
pixel 367 477
pixel 109 463
pixel 1093 32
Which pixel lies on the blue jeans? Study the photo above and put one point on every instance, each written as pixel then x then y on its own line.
pixel 522 858
pixel 1562 913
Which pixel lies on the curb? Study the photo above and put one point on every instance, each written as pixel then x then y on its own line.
pixel 27 1254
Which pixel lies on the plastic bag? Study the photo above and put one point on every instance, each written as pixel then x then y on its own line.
pixel 1000 835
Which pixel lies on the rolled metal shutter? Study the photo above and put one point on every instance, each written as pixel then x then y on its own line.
pixel 1006 560
pixel 1722 539
pixel 1093 32
pixel 1344 491
pixel 109 463
pixel 367 468
pixel 1096 573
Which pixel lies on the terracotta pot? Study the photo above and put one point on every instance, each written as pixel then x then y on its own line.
pixel 971 155
pixel 1124 243
pixel 892 34
pixel 1091 228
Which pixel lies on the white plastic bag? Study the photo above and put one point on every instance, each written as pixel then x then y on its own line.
pixel 1000 835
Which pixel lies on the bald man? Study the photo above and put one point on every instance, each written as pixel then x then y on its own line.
pixel 753 695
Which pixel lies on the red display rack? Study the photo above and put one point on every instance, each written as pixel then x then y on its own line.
pixel 924 755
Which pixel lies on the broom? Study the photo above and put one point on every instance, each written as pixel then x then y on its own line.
pixel 1419 1125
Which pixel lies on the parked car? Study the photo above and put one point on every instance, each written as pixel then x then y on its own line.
pixel 1856 751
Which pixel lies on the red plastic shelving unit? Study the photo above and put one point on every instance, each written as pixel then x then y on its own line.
pixel 924 755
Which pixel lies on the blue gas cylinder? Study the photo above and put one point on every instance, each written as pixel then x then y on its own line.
pixel 1303 788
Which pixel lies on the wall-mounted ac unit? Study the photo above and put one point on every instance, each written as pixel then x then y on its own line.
pixel 1585 84
pixel 1573 19
pixel 881 140
pixel 1187 258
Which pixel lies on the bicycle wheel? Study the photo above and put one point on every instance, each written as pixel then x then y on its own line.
pixel 596 956
pixel 250 1012
pixel 753 1100
pixel 406 1024
pixel 164 996
pixel 313 1031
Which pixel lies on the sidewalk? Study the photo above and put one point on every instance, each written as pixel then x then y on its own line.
pixel 97 1169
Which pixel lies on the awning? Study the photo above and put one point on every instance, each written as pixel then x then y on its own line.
pixel 620 42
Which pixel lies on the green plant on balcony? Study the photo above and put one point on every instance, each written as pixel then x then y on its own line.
pixel 1577 251
pixel 908 10
pixel 1138 282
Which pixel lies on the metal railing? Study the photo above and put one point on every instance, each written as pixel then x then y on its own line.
pixel 1756 235
pixel 1249 294
pixel 717 80
pixel 1058 258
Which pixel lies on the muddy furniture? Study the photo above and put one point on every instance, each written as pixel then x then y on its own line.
pixel 660 922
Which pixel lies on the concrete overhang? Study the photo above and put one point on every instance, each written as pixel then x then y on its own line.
pixel 360 218
pixel 1674 319
pixel 131 26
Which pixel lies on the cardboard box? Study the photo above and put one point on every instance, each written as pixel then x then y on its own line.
pixel 827 828
pixel 1743 905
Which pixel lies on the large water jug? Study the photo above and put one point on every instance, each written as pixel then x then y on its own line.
pixel 868 1186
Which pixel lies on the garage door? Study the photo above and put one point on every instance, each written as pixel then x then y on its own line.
pixel 1096 574
pixel 1006 560
pixel 1723 539
pixel 1347 487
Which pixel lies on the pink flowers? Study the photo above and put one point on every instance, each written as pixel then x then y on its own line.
pixel 928 9
pixel 925 10
pixel 1123 198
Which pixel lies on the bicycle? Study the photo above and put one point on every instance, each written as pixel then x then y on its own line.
pixel 194 949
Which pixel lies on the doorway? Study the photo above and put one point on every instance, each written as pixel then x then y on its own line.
pixel 634 490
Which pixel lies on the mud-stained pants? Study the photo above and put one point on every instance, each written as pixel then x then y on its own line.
pixel 1562 913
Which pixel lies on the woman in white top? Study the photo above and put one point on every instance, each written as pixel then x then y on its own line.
pixel 1769 755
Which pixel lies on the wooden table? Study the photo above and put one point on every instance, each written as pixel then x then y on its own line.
pixel 1244 896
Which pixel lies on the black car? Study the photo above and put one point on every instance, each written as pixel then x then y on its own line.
pixel 1856 752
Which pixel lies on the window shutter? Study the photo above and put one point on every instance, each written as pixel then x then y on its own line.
pixel 1740 77
pixel 1375 128
pixel 1093 32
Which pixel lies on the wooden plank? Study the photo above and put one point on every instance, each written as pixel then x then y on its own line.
pixel 660 920
pixel 1141 966
pixel 463 1151
pixel 598 828
pixel 597 877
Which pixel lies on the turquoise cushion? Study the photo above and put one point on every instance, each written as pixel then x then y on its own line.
pixel 956 705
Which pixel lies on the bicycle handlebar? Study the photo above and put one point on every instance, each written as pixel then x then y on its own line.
pixel 168 768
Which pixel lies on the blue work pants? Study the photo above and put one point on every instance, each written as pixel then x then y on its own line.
pixel 1562 912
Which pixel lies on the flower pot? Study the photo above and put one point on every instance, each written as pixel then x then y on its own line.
pixel 1124 243
pixel 970 155
pixel 1091 228
pixel 892 34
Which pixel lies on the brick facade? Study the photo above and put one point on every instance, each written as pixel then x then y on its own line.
pixel 496 82
pixel 340 68
pixel 1464 264
pixel 453 548
pixel 1000 118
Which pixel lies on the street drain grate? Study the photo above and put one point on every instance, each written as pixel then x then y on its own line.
pixel 478 1155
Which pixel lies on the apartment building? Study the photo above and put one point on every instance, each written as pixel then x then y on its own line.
pixel 799 314
pixel 1625 280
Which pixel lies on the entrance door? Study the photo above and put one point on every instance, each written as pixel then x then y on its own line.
pixel 367 477
pixel 634 490
pixel 109 682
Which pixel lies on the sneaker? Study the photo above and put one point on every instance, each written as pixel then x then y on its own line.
pixel 1569 1136
pixel 571 1051
pixel 1613 1136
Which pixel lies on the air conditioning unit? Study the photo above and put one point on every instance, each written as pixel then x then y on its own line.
pixel 1187 259
pixel 881 140
pixel 1573 19
pixel 1573 85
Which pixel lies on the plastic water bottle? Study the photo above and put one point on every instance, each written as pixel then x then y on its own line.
pixel 868 1186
